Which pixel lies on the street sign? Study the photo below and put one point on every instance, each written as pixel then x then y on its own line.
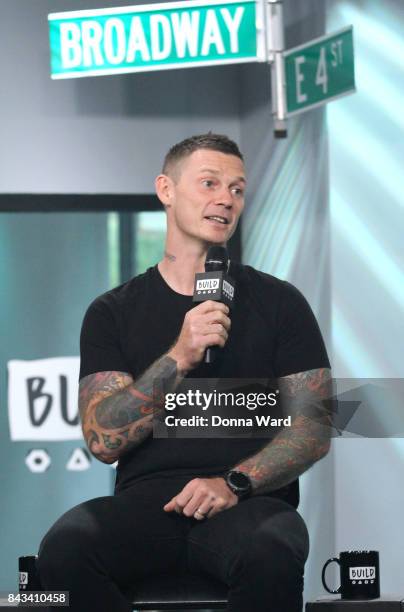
pixel 156 37
pixel 319 71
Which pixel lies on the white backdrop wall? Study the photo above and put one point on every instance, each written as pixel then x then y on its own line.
pixel 366 137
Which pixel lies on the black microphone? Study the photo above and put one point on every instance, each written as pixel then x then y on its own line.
pixel 214 284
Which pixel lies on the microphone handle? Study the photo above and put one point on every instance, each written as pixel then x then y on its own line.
pixel 210 354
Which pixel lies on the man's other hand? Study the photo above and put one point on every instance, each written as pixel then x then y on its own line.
pixel 202 498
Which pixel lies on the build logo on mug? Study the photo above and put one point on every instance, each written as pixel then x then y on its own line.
pixel 359 574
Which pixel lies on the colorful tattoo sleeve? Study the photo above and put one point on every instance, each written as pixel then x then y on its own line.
pixel 117 412
pixel 296 448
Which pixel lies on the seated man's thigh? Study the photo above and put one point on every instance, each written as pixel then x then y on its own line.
pixel 121 536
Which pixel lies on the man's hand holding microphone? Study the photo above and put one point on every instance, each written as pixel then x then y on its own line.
pixel 208 324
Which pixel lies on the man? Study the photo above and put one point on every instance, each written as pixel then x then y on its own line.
pixel 224 509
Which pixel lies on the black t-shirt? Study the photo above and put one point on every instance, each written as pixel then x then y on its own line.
pixel 274 333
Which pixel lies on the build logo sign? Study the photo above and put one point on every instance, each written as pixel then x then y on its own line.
pixel 42 399
pixel 42 407
pixel 153 37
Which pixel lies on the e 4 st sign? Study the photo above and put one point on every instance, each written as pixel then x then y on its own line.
pixel 155 37
pixel 319 71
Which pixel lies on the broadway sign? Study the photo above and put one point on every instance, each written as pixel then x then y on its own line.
pixel 156 37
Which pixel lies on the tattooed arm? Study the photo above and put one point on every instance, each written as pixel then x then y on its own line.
pixel 297 447
pixel 117 412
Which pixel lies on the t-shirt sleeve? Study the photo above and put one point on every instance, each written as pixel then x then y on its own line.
pixel 100 349
pixel 299 345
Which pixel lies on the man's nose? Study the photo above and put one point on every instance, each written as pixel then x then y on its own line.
pixel 224 199
pixel 227 205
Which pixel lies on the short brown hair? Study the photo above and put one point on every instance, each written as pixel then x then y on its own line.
pixel 213 142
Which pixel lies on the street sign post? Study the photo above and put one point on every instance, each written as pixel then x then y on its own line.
pixel 319 71
pixel 156 37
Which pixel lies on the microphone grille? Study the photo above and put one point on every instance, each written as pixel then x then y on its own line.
pixel 216 259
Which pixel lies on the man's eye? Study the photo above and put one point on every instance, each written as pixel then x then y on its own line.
pixel 207 183
pixel 237 191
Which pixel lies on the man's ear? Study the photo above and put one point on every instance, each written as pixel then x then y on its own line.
pixel 164 189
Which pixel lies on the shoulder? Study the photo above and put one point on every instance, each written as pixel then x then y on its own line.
pixel 122 296
pixel 298 343
pixel 265 288
pixel 258 279
pixel 110 309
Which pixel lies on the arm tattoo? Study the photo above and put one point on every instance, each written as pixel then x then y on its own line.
pixel 108 443
pixel 117 412
pixel 297 447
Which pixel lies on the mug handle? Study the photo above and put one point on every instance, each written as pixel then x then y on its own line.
pixel 336 591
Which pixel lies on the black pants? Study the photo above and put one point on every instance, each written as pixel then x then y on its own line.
pixel 98 548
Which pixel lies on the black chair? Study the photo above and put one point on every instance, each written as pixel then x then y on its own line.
pixel 185 592
pixel 162 592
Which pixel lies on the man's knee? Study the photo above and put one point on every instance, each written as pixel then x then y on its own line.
pixel 280 545
pixel 66 546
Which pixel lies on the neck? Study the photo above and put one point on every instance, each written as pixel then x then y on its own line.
pixel 179 266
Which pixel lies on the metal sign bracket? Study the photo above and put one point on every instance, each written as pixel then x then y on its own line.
pixel 275 49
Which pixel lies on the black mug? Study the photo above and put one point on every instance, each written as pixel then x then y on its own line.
pixel 28 578
pixel 359 572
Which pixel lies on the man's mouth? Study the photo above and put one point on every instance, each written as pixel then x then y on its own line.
pixel 219 219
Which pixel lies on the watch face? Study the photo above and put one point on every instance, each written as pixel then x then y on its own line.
pixel 239 481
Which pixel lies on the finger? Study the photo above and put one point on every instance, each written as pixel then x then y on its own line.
pixel 199 515
pixel 174 505
pixel 206 507
pixel 215 328
pixel 213 511
pixel 219 505
pixel 211 305
pixel 219 317
pixel 201 499
pixel 201 511
pixel 171 505
pixel 184 500
pixel 214 340
pixel 191 496
pixel 208 510
pixel 201 502
pixel 194 503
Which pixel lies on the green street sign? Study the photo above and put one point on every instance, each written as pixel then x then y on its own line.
pixel 155 37
pixel 319 71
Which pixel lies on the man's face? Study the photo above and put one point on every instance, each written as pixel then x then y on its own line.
pixel 208 196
